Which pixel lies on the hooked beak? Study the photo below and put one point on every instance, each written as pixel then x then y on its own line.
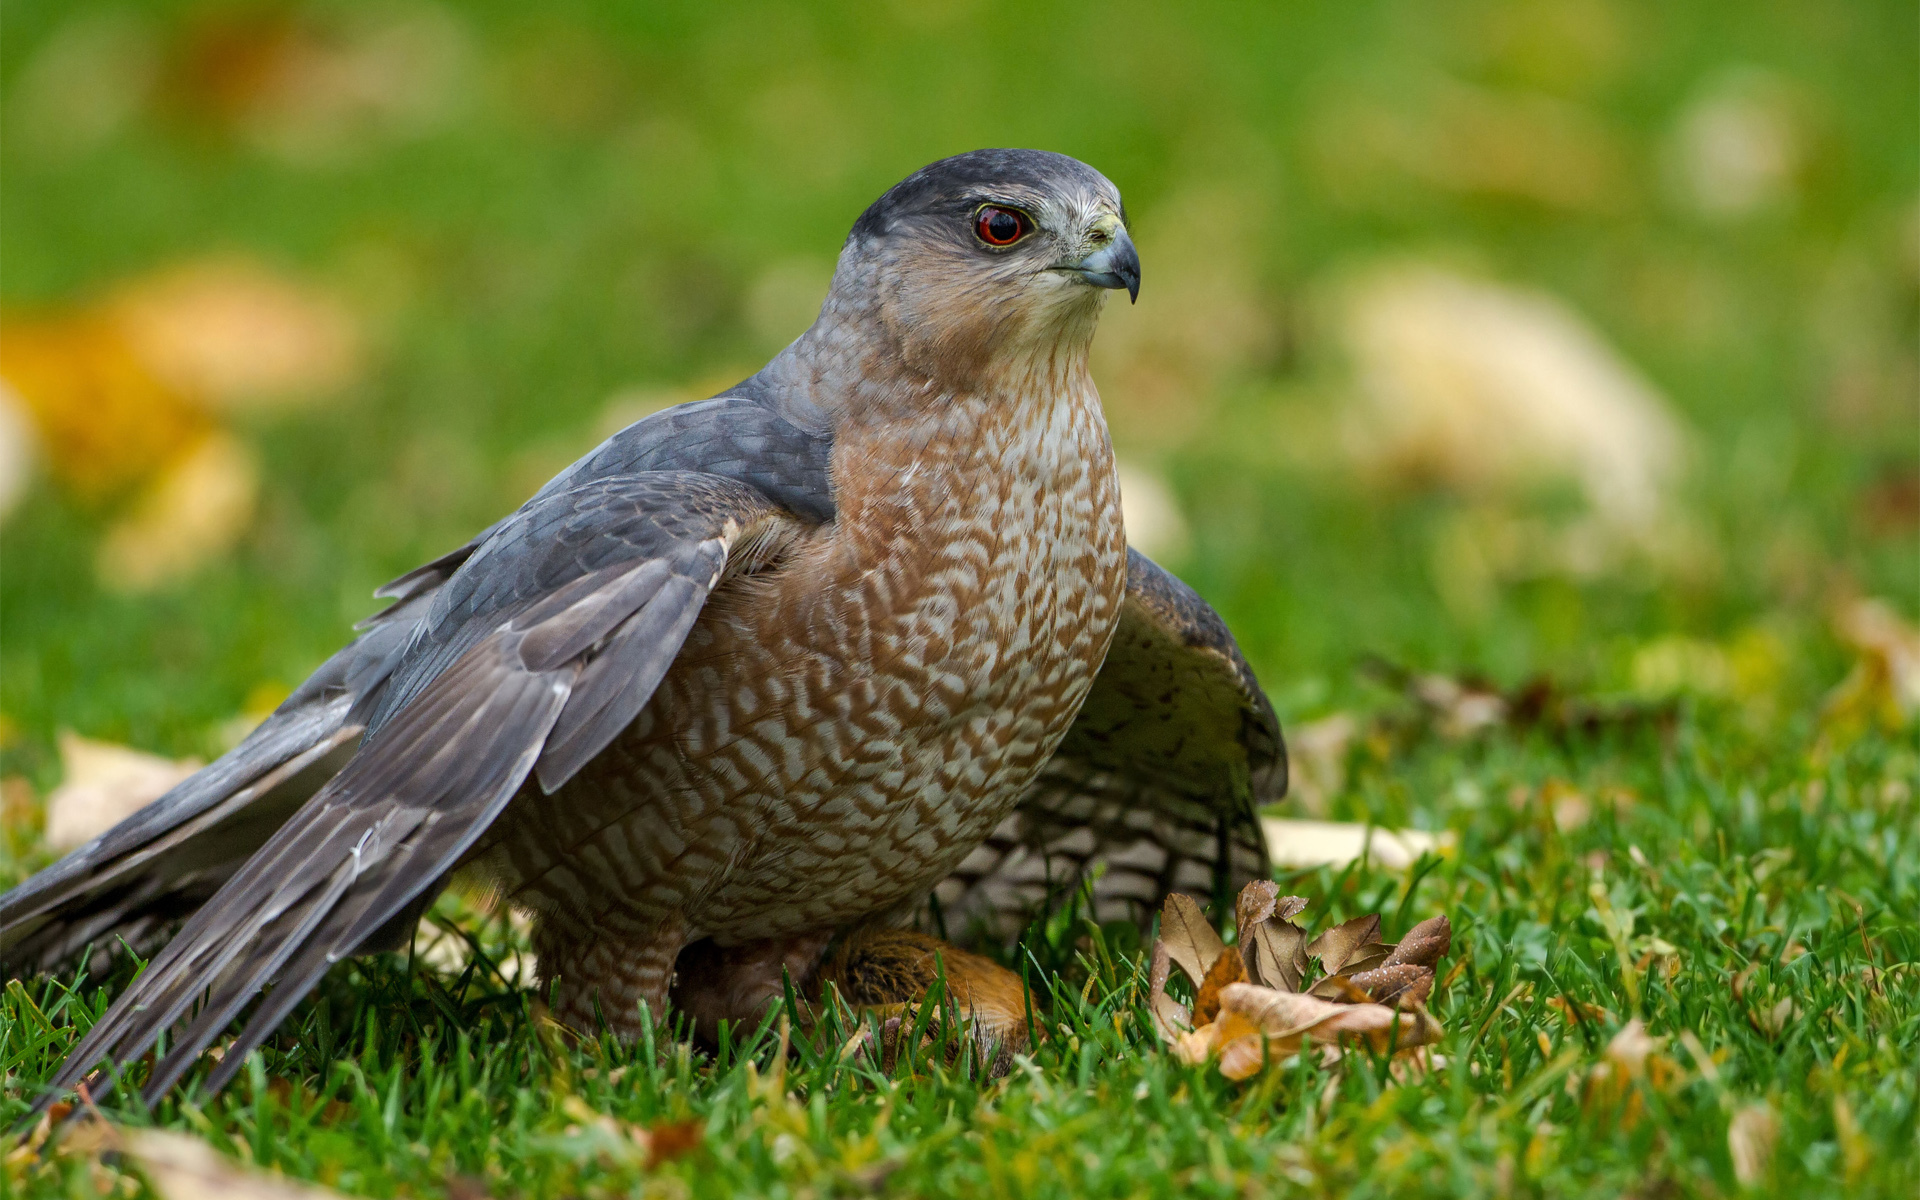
pixel 1116 264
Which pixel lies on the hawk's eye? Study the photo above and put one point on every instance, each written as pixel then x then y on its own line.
pixel 998 226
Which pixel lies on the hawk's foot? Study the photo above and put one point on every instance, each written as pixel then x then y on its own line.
pixel 889 973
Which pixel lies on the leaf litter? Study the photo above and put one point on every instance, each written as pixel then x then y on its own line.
pixel 1278 990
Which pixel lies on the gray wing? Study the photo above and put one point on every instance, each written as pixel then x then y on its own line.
pixel 543 644
pixel 138 880
pixel 1159 780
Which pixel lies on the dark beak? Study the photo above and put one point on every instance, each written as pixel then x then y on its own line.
pixel 1114 265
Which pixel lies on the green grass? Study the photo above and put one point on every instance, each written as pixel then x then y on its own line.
pixel 594 215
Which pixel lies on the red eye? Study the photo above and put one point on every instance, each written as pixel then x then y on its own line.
pixel 1001 226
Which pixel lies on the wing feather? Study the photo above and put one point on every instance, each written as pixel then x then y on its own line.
pixel 582 603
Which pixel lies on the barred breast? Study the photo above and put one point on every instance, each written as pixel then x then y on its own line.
pixel 842 729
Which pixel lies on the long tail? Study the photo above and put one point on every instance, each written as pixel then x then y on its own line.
pixel 137 881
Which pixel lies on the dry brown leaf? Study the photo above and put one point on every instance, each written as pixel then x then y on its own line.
pixel 1170 1017
pixel 1277 953
pixel 1287 1018
pixel 1494 389
pixel 1245 1022
pixel 1340 988
pixel 1397 985
pixel 104 784
pixel 1269 943
pixel 1257 902
pixel 1226 969
pixel 1368 958
pixel 1191 939
pixel 1425 944
pixel 1335 946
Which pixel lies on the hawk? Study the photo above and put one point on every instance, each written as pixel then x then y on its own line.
pixel 744 693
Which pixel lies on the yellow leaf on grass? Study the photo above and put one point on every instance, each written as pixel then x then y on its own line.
pixel 193 512
pixel 232 332
pixel 101 418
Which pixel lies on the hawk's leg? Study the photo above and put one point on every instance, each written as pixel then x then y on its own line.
pixel 889 972
pixel 736 983
pixel 595 975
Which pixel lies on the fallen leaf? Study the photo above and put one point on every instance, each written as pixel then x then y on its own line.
pixel 1191 939
pixel 1170 1017
pixel 1226 969
pixel 1297 843
pixel 1494 390
pixel 1340 988
pixel 1287 1019
pixel 1884 685
pixel 1271 946
pixel 103 422
pixel 674 1139
pixel 184 1168
pixel 1196 1045
pixel 1425 944
pixel 235 333
pixel 1750 1140
pixel 121 402
pixel 1335 946
pixel 1241 1046
pixel 194 512
pixel 1257 902
pixel 1243 1021
pixel 103 784
pixel 1397 985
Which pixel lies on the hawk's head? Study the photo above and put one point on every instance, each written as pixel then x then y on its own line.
pixel 989 258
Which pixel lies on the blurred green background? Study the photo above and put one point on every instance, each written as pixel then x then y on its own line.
pixel 1569 338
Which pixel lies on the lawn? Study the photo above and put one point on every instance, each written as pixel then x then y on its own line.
pixel 1653 688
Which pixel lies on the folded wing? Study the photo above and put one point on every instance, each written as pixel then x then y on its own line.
pixel 542 644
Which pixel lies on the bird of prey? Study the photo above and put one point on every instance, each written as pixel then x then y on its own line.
pixel 738 697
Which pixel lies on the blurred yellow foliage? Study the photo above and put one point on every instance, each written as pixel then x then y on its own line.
pixel 104 420
pixel 122 401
